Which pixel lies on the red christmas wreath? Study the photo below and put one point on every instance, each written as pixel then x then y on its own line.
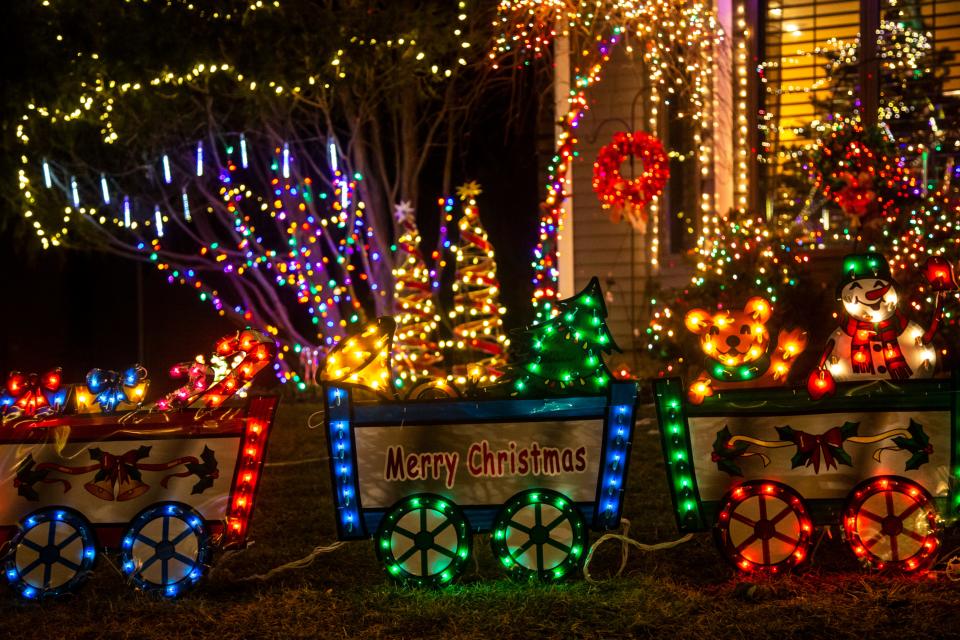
pixel 625 197
pixel 859 170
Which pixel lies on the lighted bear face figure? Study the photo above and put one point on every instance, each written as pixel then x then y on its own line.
pixel 733 337
pixel 870 299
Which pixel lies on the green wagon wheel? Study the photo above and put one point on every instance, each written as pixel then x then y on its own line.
pixel 539 533
pixel 423 539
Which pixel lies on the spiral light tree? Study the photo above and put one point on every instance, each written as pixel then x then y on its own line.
pixel 418 352
pixel 478 338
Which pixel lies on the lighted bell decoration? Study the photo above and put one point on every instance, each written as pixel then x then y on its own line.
pixel 363 359
pixel 939 274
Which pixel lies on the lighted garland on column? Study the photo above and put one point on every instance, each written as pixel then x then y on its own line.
pixel 667 35
pixel 628 198
pixel 418 352
pixel 478 336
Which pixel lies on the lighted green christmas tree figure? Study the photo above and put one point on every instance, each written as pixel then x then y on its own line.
pixel 565 354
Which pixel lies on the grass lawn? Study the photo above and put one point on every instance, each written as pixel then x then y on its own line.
pixel 687 592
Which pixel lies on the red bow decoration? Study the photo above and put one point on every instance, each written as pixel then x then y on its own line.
pixel 32 393
pixel 827 446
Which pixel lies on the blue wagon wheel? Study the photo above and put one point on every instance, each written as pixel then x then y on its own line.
pixel 424 540
pixel 539 534
pixel 166 549
pixel 52 554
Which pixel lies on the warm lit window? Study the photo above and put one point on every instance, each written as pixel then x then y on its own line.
pixel 811 73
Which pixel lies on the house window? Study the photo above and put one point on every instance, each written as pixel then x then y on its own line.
pixel 814 67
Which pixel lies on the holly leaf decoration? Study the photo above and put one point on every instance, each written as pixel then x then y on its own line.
pixel 918 444
pixel 724 453
pixel 26 477
pixel 849 429
pixel 207 470
pixel 788 434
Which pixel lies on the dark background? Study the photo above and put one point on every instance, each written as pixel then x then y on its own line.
pixel 79 309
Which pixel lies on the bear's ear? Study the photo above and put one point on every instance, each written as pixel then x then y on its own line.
pixel 697 321
pixel 759 309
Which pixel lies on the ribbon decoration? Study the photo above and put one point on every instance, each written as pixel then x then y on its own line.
pixel 32 394
pixel 118 477
pixel 110 388
pixel 825 448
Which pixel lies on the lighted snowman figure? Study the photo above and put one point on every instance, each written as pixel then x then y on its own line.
pixel 875 339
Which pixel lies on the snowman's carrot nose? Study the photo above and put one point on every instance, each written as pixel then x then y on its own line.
pixel 876 294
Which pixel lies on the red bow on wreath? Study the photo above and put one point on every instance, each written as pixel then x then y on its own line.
pixel 629 197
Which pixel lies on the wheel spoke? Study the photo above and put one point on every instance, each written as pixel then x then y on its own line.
pixel 47 574
pixel 739 517
pixel 556 522
pixel 182 536
pixel 909 510
pixel 894 549
pixel 404 532
pixel 146 564
pixel 70 564
pixel 763 506
pixel 190 562
pixel 443 525
pixel 558 545
pixel 523 548
pixel 870 515
pixel 519 527
pixel 765 544
pixel 868 543
pixel 164 570
pixel 746 543
pixel 73 536
pixel 424 569
pixel 913 534
pixel 889 499
pixel 406 554
pixel 165 536
pixel 538 514
pixel 785 538
pixel 30 544
pixel 147 541
pixel 783 514
pixel 30 567
pixel 423 519
pixel 51 536
pixel 539 556
pixel 443 550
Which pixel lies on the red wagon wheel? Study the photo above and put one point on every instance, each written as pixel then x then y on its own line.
pixel 892 523
pixel 763 525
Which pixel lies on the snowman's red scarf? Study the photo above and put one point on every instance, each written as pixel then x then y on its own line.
pixel 887 332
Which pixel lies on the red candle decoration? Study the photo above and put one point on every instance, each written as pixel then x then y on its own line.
pixel 629 198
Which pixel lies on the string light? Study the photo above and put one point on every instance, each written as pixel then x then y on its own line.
pixel 477 315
